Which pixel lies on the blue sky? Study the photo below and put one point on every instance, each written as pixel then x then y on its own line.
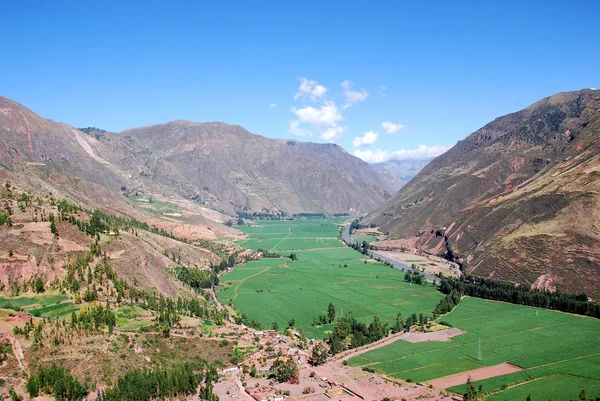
pixel 433 72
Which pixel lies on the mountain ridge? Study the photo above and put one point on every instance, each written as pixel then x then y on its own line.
pixel 120 160
pixel 499 201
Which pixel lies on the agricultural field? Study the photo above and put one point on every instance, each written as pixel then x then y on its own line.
pixel 558 352
pixel 292 235
pixel 361 238
pixel 129 318
pixel 50 305
pixel 281 289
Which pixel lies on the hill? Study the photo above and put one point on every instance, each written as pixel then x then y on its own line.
pixel 516 200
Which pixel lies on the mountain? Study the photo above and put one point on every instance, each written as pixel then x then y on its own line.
pixel 517 200
pixel 233 169
pixel 403 170
pixel 195 168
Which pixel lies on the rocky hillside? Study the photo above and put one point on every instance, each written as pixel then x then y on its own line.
pixel 234 170
pixel 516 200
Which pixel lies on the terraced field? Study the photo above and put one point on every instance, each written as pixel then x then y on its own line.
pixel 559 352
pixel 51 305
pixel 325 271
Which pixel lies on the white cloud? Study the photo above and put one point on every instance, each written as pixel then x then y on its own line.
pixel 332 133
pixel 419 153
pixel 273 106
pixel 295 129
pixel 392 128
pixel 352 96
pixel 326 116
pixel 310 89
pixel 368 139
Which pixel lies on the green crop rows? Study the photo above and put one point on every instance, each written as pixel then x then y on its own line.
pixel 560 353
pixel 50 305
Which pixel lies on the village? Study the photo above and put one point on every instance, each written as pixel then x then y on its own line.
pixel 333 380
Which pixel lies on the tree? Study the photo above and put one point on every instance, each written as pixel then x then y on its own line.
pixel 39 285
pixel 331 312
pixel 53 228
pixel 33 387
pixel 275 325
pixel 335 345
pixel 399 326
pixel 10 253
pixel 473 394
pixel 319 355
pixel 283 371
pixel 291 323
pixel 293 256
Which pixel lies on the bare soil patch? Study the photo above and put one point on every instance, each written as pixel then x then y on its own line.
pixel 441 335
pixel 424 262
pixel 545 282
pixel 397 244
pixel 477 374
pixel 368 231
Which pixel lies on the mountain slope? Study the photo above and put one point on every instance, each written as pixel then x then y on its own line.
pixel 516 200
pixel 94 169
pixel 245 171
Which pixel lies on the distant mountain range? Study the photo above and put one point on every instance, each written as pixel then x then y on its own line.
pixel 517 200
pixel 403 170
pixel 199 166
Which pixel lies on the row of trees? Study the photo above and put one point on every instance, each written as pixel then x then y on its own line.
pixel 144 384
pixel 447 304
pixel 361 247
pixel 360 333
pixel 326 318
pixel 522 295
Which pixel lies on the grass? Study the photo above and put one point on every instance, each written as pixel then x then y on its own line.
pixel 280 289
pixel 361 238
pixel 559 352
pixel 156 206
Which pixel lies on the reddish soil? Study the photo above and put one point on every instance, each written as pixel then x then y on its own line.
pixel 544 282
pixel 477 374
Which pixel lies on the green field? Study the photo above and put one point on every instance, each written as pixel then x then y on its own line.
pixel 51 305
pixel 361 238
pixel 559 352
pixel 279 289
pixel 292 235
pixel 129 318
